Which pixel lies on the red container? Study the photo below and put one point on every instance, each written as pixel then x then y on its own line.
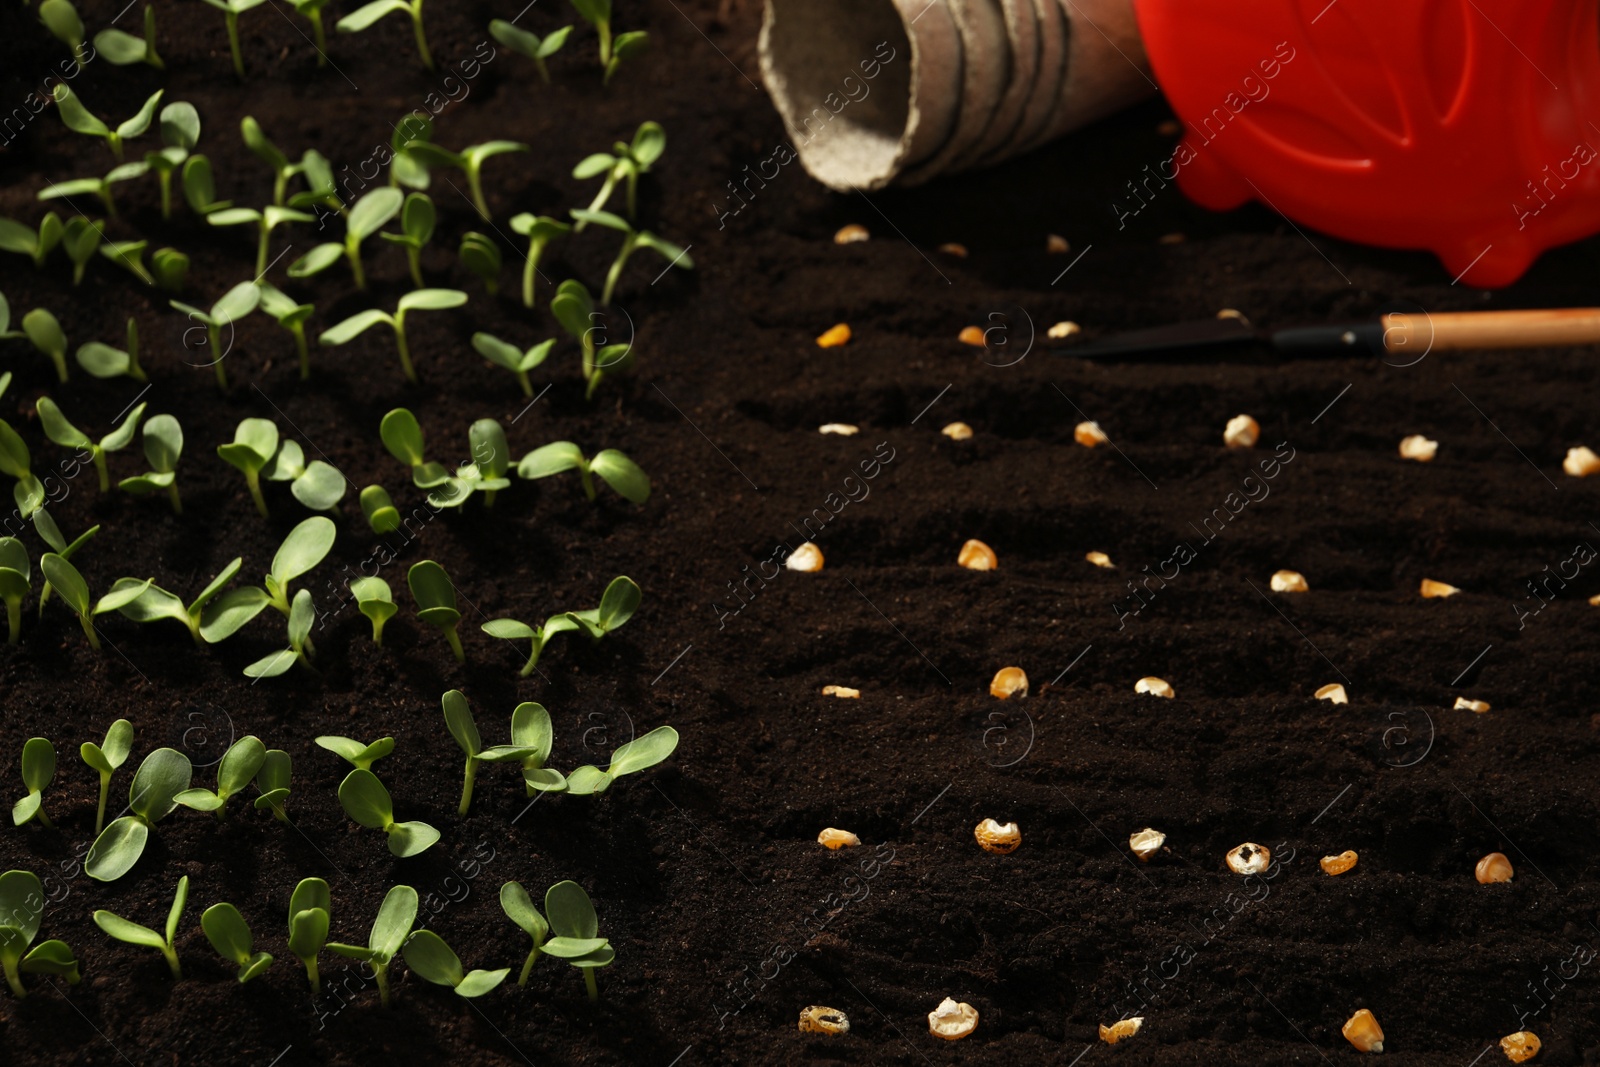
pixel 1467 127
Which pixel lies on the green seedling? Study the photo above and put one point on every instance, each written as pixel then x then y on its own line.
pixel 375 601
pixel 432 960
pixel 379 509
pixel 366 801
pixel 163 445
pixel 234 305
pixel 358 755
pixel 540 230
pixel 301 615
pixel 64 578
pixel 365 218
pixel 305 546
pixel 6 332
pixel 511 357
pixel 131 933
pixel 273 782
pixel 156 603
pixel 317 485
pixel 614 468
pixel 266 220
pixel 576 928
pixel 291 317
pixel 38 768
pixel 61 19
pixel 574 309
pixel 418 300
pixel 310 906
pixel 80 240
pixel 531 738
pixel 21 909
pixel 263 149
pixel 624 163
pixel 16 576
pixel 633 240
pixel 164 774
pixel 402 436
pixel 255 442
pixel 512 630
pixel 229 934
pixel 103 361
pixel 200 188
pixel 612 52
pixel 51 534
pixel 238 768
pixel 180 132
pixel 312 10
pixel 98 187
pixel 396 915
pixel 405 167
pixel 417 220
pixel 63 433
pixel 363 17
pixel 518 906
pixel 231 10
pixel 481 256
pixel 458 720
pixel 487 470
pixel 617 605
pixel 469 161
pixel 35 244
pixel 435 595
pixel 15 461
pixel 170 268
pixel 123 49
pixel 320 190
pixel 531 45
pixel 629 758
pixel 104 759
pixel 80 120
pixel 129 255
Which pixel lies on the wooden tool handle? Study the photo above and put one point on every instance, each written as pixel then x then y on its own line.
pixel 1408 334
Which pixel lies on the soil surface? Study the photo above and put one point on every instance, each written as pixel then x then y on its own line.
pixel 726 915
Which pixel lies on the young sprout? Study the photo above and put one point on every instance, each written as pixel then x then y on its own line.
pixel 21 907
pixel 180 132
pixel 511 357
pixel 573 307
pixel 291 317
pixel 236 770
pixel 200 188
pixel 518 906
pixel 402 436
pixel 540 230
pixel 374 600
pixel 263 149
pixel 123 49
pixel 16 575
pixel 164 774
pixel 458 720
pixel 301 615
pixel 98 187
pixel 38 768
pixel 235 304
pixel 368 215
pixel 612 52
pixel 80 239
pixel 312 10
pixel 61 19
pixel 531 45
pixel 231 10
pixel 79 120
pixel 131 933
pixel 614 468
pixel 366 801
pixel 229 934
pixel 360 756
pixel 170 268
pixel 417 300
pixel 390 930
pixel 255 442
pixel 309 908
pixel 417 219
pixel 163 445
pixel 531 738
pixel 320 190
pixel 129 255
pixel 105 758
pixel 36 245
pixel 436 601
pixel 469 161
pixel 486 472
pixel 406 167
pixel 63 433
pixel 629 758
pixel 273 782
pixel 625 162
pixel 365 16
pixel 15 461
pixel 64 578
pixel 432 960
pixel 305 546
pixel 51 534
pixel 632 242
pixel 265 220
pixel 617 605
pixel 481 256
pixel 378 507
pixel 103 361
pixel 156 603
pixel 317 485
pixel 572 918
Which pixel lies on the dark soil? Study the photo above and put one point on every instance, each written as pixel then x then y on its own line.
pixel 726 915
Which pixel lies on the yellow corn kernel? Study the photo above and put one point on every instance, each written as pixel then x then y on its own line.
pixel 1056 245
pixel 851 234
pixel 1289 582
pixel 959 251
pixel 971 335
pixel 958 431
pixel 1494 868
pixel 841 691
pixel 1419 448
pixel 1463 704
pixel 1333 693
pixel 1344 861
pixel 833 838
pixel 1231 313
pixel 835 336
pixel 1521 1046
pixel 1062 330
pixel 1146 843
pixel 843 429
pixel 1581 462
pixel 1432 589
pixel 1099 559
pixel 997 837
pixel 1241 432
pixel 1155 687
pixel 1089 434
pixel 1249 858
pixel 1009 682
pixel 807 558
pixel 819 1020
pixel 1120 1030
pixel 977 556
pixel 952 1021
pixel 1363 1031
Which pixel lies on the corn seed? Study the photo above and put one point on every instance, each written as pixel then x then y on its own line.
pixel 1289 582
pixel 1146 843
pixel 836 839
pixel 1432 589
pixel 977 556
pixel 1155 687
pixel 1009 682
pixel 1062 330
pixel 1231 313
pixel 997 837
pixel 1419 448
pixel 1249 858
pixel 1521 1046
pixel 851 234
pixel 843 429
pixel 1494 868
pixel 1333 693
pixel 1089 434
pixel 1581 462
pixel 1056 245
pixel 1099 559
pixel 1241 432
pixel 835 337
pixel 971 335
pixel 1120 1030
pixel 841 691
pixel 952 1021
pixel 1363 1031
pixel 1340 863
pixel 953 249
pixel 1463 704
pixel 958 431
pixel 819 1020
pixel 807 558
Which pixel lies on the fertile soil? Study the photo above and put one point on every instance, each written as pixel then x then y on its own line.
pixel 726 915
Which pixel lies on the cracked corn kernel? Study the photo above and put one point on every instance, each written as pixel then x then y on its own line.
pixel 1419 448
pixel 1009 682
pixel 835 337
pixel 1344 861
pixel 952 1021
pixel 1494 868
pixel 977 556
pixel 1056 245
pixel 833 838
pixel 1521 1046
pixel 808 558
pixel 1155 687
pixel 1363 1031
pixel 1120 1030
pixel 1333 694
pixel 972 335
pixel 1463 704
pixel 841 691
pixel 851 234
pixel 1289 582
pixel 1432 589
pixel 1581 462
pixel 1099 559
pixel 819 1020
pixel 958 431
pixel 1146 843
pixel 1062 330
pixel 959 251
pixel 1249 858
pixel 843 429
pixel 1241 432
pixel 997 837
pixel 1089 434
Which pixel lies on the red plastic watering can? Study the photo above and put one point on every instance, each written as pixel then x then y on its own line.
pixel 1467 127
